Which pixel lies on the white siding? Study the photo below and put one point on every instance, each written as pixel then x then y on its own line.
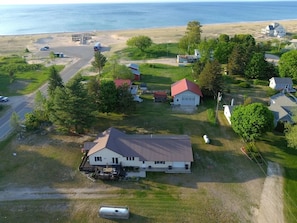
pixel 106 157
pixel 187 98
pixel 227 113
pixel 178 164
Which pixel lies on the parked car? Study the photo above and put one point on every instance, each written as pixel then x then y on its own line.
pixel 45 48
pixel 4 99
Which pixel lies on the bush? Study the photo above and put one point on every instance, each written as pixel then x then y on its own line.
pixel 260 82
pixel 244 84
pixel 211 116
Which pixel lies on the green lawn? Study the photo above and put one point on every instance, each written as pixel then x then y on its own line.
pixel 26 77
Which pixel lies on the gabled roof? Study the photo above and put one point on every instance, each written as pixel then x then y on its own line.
pixel 282 107
pixel 120 82
pixel 133 66
pixel 185 85
pixel 160 94
pixel 281 80
pixel 146 147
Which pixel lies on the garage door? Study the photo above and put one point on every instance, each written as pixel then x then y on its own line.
pixel 188 100
pixel 178 164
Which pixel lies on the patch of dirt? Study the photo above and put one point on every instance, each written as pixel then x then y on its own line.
pixel 271 205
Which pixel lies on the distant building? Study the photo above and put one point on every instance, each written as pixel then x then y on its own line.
pixel 281 83
pixel 135 70
pixel 274 30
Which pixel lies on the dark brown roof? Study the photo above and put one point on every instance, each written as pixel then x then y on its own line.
pixel 146 147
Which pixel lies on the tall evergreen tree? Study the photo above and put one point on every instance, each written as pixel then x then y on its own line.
pixel 210 79
pixel 237 61
pixel 93 88
pixel 125 103
pixel 99 61
pixel 71 107
pixel 55 80
pixel 108 96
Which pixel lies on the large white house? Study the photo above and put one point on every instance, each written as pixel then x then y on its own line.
pixel 186 93
pixel 164 153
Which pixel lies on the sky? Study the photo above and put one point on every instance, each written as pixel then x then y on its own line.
pixel 22 2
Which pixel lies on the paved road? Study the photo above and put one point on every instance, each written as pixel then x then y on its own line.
pixel 24 104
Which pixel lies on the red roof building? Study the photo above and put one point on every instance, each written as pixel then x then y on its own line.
pixel 121 82
pixel 185 92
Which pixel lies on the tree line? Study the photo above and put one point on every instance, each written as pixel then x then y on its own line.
pixel 72 107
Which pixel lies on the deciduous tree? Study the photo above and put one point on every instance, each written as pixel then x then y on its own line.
pixel 141 42
pixel 191 38
pixel 251 121
pixel 291 132
pixel 257 67
pixel 288 64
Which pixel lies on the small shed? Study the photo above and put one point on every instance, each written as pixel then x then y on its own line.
pixel 160 96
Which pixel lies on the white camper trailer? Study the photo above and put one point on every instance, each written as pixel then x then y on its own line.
pixel 114 212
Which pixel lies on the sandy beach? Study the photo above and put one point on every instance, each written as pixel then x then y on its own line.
pixel 116 40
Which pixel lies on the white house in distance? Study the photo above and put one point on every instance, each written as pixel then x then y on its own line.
pixel 281 83
pixel 135 70
pixel 164 153
pixel 186 93
pixel 274 30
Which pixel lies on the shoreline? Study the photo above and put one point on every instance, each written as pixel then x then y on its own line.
pixel 116 39
pixel 284 21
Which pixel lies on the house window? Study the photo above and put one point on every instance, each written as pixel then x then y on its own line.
pixel 129 158
pixel 159 162
pixel 98 158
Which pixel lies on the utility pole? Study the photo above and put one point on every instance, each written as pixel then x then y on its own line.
pixel 219 98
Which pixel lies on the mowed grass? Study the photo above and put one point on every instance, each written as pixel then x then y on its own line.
pixel 25 80
pixel 224 185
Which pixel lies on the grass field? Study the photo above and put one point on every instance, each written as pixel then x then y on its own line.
pixel 26 77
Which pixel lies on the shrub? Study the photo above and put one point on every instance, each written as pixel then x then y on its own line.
pixel 211 116
pixel 244 84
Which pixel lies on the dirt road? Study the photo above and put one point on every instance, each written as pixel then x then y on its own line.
pixel 271 205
